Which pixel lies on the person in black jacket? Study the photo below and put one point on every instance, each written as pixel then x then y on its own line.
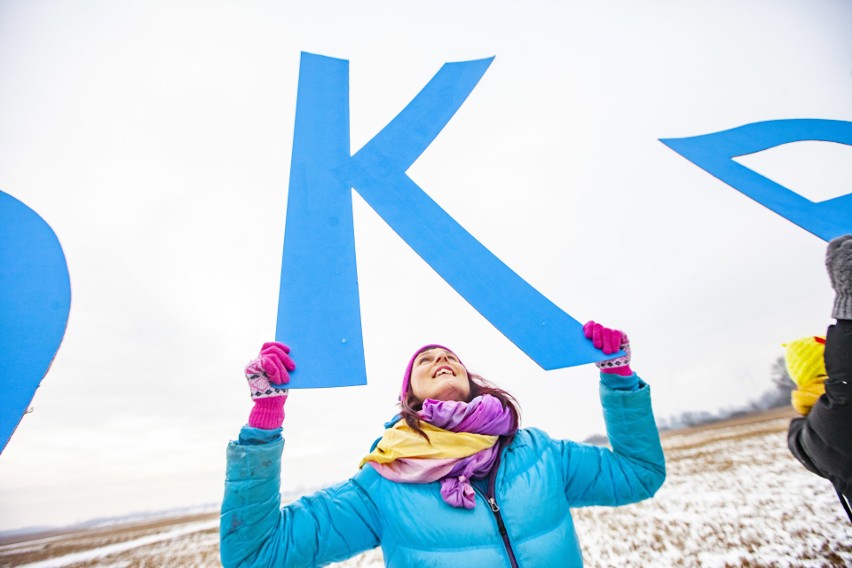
pixel 822 439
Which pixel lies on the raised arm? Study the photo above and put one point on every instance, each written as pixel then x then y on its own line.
pixel 634 469
pixel 328 526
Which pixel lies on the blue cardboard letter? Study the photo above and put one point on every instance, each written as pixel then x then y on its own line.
pixel 35 298
pixel 714 153
pixel 318 310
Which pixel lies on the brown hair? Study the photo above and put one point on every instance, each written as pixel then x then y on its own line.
pixel 478 386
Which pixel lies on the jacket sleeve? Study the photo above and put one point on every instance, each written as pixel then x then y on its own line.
pixel 328 526
pixel 633 470
pixel 822 440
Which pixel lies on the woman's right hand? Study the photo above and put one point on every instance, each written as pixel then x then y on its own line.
pixel 615 373
pixel 267 375
pixel 609 341
pixel 270 370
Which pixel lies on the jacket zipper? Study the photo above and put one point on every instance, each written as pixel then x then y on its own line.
pixel 495 510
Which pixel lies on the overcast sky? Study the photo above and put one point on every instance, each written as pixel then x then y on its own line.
pixel 155 137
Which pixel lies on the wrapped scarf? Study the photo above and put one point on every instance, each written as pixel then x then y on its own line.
pixel 462 446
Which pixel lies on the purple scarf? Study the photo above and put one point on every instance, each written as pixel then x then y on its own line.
pixel 482 415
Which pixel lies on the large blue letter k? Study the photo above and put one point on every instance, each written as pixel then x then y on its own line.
pixel 318 311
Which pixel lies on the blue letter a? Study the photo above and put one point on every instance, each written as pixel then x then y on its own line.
pixel 318 310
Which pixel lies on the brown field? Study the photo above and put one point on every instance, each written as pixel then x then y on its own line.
pixel 198 547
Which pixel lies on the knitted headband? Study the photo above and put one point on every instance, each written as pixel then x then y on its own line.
pixel 406 378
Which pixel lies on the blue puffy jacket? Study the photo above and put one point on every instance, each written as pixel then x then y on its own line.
pixel 537 482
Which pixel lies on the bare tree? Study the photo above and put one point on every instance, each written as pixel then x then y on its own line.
pixel 784 385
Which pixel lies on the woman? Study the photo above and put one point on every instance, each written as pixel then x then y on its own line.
pixel 453 480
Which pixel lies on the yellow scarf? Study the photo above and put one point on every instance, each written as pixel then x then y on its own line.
pixel 804 397
pixel 403 442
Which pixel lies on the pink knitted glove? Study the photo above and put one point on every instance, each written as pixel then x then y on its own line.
pixel 609 341
pixel 266 376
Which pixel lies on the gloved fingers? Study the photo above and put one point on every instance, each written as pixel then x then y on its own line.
pixel 273 364
pixel 275 368
pixel 593 331
pixel 274 346
pixel 606 339
pixel 275 361
pixel 611 340
pixel 587 329
pixel 281 352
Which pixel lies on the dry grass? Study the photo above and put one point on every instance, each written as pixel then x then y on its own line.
pixel 198 548
pixel 734 496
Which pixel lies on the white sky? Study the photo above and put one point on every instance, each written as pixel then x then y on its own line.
pixel 155 137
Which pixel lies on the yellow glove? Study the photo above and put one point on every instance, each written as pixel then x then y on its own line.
pixel 806 366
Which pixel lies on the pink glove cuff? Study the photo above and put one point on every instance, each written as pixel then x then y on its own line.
pixel 267 413
pixel 609 341
pixel 619 365
pixel 624 370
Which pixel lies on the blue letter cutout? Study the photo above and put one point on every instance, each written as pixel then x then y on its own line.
pixel 35 298
pixel 318 310
pixel 715 152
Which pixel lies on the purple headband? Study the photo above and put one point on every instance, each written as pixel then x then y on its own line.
pixel 407 377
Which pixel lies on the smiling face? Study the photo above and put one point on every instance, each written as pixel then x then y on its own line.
pixel 438 374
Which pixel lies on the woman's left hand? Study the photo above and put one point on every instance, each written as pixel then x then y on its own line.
pixel 609 341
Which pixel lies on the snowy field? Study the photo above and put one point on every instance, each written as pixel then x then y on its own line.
pixel 734 497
